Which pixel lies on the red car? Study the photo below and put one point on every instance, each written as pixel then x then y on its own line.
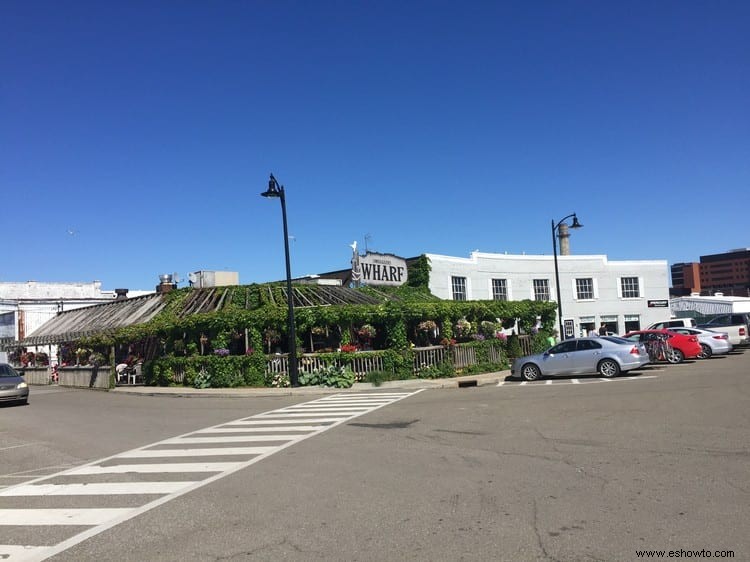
pixel 683 346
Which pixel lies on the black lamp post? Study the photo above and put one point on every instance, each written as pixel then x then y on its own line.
pixel 555 228
pixel 276 190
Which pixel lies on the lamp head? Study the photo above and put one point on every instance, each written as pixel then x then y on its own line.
pixel 274 189
pixel 576 224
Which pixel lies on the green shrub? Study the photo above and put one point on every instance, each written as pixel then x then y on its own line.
pixel 514 347
pixel 333 376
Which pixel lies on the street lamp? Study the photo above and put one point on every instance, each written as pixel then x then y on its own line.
pixel 276 190
pixel 555 228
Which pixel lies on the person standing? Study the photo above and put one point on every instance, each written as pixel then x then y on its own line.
pixel 603 329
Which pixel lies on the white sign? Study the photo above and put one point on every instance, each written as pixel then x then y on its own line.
pixel 382 269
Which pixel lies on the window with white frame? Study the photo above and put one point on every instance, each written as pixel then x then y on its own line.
pixel 500 289
pixel 458 285
pixel 541 289
pixel 585 288
pixel 630 287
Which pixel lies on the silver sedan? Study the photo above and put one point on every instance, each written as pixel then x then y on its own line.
pixel 607 355
pixel 712 342
pixel 13 387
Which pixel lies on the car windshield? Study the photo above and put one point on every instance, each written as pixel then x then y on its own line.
pixel 8 371
pixel 616 339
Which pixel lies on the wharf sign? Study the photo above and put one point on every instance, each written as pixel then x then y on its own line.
pixel 380 269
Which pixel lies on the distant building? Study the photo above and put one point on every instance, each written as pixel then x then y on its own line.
pixel 727 273
pixel 685 279
pixel 24 306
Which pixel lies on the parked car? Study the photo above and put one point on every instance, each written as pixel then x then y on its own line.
pixel 737 326
pixel 673 323
pixel 13 387
pixel 712 342
pixel 682 346
pixel 607 355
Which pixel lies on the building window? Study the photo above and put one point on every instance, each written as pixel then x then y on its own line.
pixel 585 289
pixel 541 289
pixel 632 322
pixel 500 289
pixel 458 284
pixel 630 287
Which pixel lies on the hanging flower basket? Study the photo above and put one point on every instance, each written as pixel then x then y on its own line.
pixel 463 327
pixel 367 331
pixel 427 326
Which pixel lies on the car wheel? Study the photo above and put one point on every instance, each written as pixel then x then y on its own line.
pixel 675 356
pixel 608 368
pixel 705 352
pixel 530 372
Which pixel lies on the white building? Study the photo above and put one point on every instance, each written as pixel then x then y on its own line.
pixel 626 295
pixel 25 306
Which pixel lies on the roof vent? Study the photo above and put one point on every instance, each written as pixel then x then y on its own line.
pixel 121 294
pixel 165 284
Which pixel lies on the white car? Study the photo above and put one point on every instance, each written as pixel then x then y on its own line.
pixel 712 342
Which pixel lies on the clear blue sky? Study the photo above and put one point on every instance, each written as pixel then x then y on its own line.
pixel 136 137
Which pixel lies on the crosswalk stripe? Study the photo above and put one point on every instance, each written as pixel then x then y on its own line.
pixel 217 452
pixel 326 408
pixel 86 516
pixel 281 414
pixel 230 439
pixel 270 429
pixel 154 468
pixel 277 422
pixel 96 489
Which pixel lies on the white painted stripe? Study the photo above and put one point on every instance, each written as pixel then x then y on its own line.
pixel 270 429
pixel 605 380
pixel 331 409
pixel 548 382
pixel 327 402
pixel 366 395
pixel 500 383
pixel 267 422
pixel 156 468
pixel 34 517
pixel 372 398
pixel 217 452
pixel 576 381
pixel 524 383
pixel 328 405
pixel 334 411
pixel 230 439
pixel 96 489
pixel 280 414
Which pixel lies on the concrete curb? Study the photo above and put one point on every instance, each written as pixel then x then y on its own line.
pixel 467 381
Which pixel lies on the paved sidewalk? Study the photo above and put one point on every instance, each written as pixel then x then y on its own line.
pixel 466 381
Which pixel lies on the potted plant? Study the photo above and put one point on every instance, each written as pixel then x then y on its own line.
pixel 367 332
pixel 463 328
